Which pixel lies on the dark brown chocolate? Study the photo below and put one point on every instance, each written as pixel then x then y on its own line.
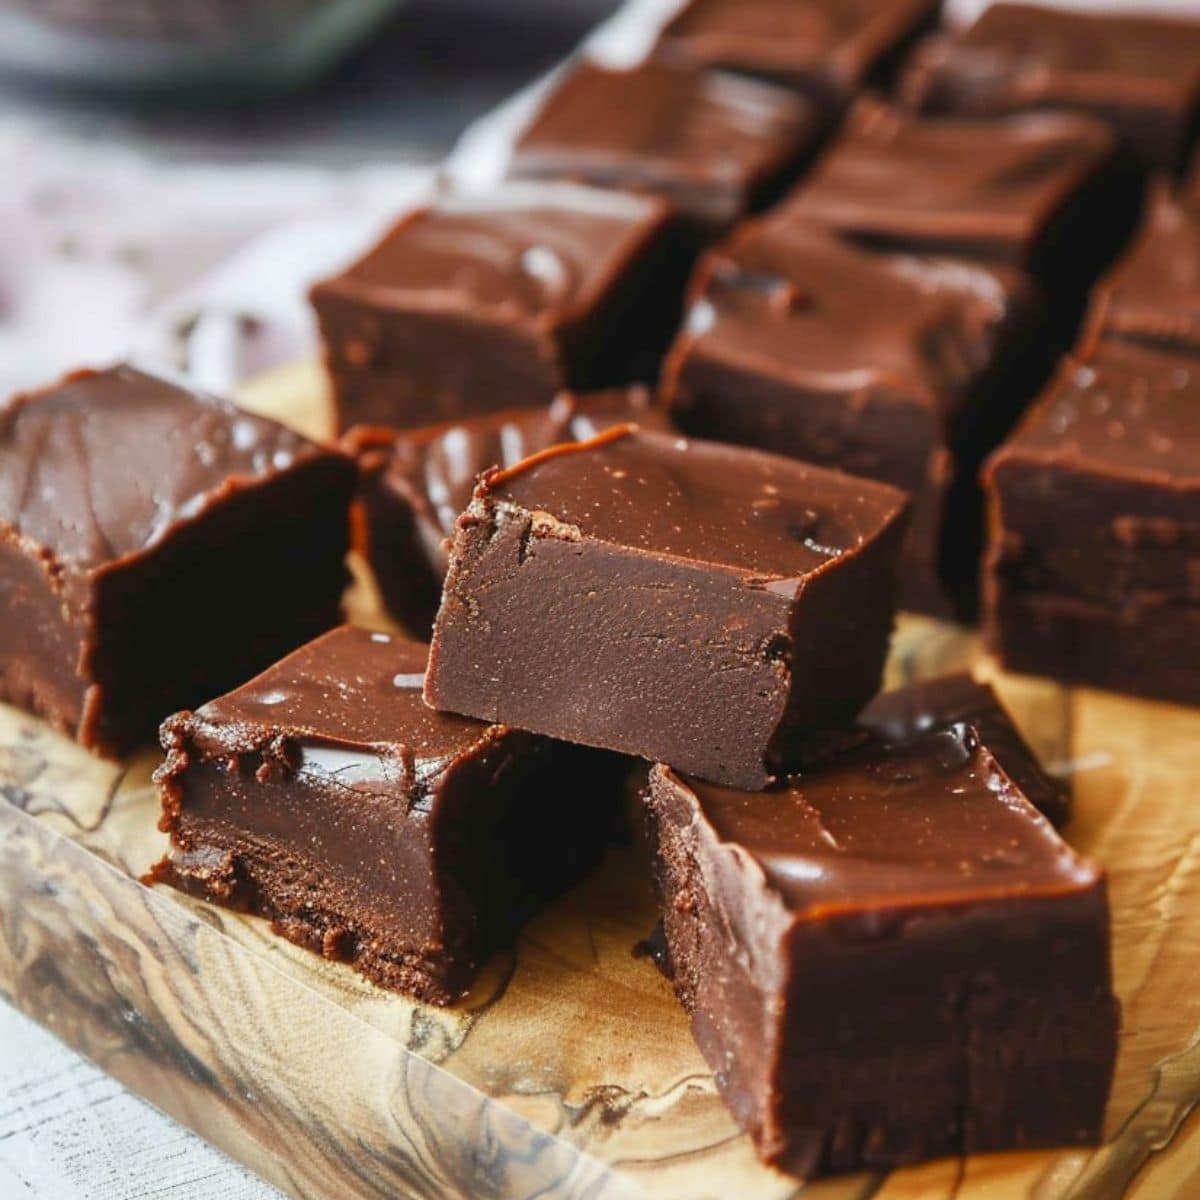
pixel 929 705
pixel 827 48
pixel 1152 296
pixel 479 304
pixel 1093 565
pixel 686 601
pixel 325 796
pixel 894 367
pixel 156 545
pixel 415 483
pixel 1038 192
pixel 716 145
pixel 1140 73
pixel 892 957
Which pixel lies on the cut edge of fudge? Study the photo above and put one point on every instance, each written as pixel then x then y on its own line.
pixel 665 586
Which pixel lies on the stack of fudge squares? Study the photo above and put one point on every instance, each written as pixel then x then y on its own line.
pixel 645 447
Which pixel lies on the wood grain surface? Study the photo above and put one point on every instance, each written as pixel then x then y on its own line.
pixel 569 1071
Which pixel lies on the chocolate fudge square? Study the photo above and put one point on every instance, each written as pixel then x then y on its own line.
pixel 1152 296
pixel 156 545
pixel 906 369
pixel 677 600
pixel 1140 73
pixel 1041 192
pixel 415 483
pixel 715 145
pixel 827 48
pixel 325 796
pixel 1094 527
pixel 477 304
pixel 889 958
pixel 929 705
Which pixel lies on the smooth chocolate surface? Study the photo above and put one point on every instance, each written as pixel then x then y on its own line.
pixel 918 873
pixel 1093 567
pixel 930 705
pixel 1139 72
pixel 479 304
pixel 901 368
pixel 132 509
pixel 1152 296
pixel 325 796
pixel 686 601
pixel 416 483
pixel 828 48
pixel 714 144
pixel 1021 190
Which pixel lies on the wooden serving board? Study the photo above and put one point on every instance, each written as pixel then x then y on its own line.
pixel 569 1071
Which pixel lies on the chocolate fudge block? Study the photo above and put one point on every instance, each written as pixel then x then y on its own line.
pixel 1152 296
pixel 325 796
pixel 895 367
pixel 415 483
pixel 1093 562
pixel 715 144
pixel 677 600
pixel 827 48
pixel 934 704
pixel 1140 73
pixel 1041 192
pixel 477 304
pixel 156 545
pixel 889 958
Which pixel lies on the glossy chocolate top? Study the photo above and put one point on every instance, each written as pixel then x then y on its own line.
pixel 1123 410
pixel 520 253
pixel 435 468
pixel 669 129
pixel 104 464
pixel 1153 295
pixel 350 688
pixel 933 821
pixel 788 299
pixel 932 704
pixel 1025 53
pixel 773 517
pixel 839 40
pixel 910 181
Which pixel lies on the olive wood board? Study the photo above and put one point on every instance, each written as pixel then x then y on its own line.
pixel 569 1071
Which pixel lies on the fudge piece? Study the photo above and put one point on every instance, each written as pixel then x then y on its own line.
pixel 1139 73
pixel 1040 192
pixel 894 367
pixel 685 601
pixel 1093 566
pixel 1153 295
pixel 477 304
pixel 714 144
pixel 325 796
pixel 156 545
pixel 933 704
pixel 415 483
pixel 892 957
pixel 828 48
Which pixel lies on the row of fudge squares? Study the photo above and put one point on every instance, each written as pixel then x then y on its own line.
pixel 1138 72
pixel 1093 560
pixel 909 856
pixel 483 302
